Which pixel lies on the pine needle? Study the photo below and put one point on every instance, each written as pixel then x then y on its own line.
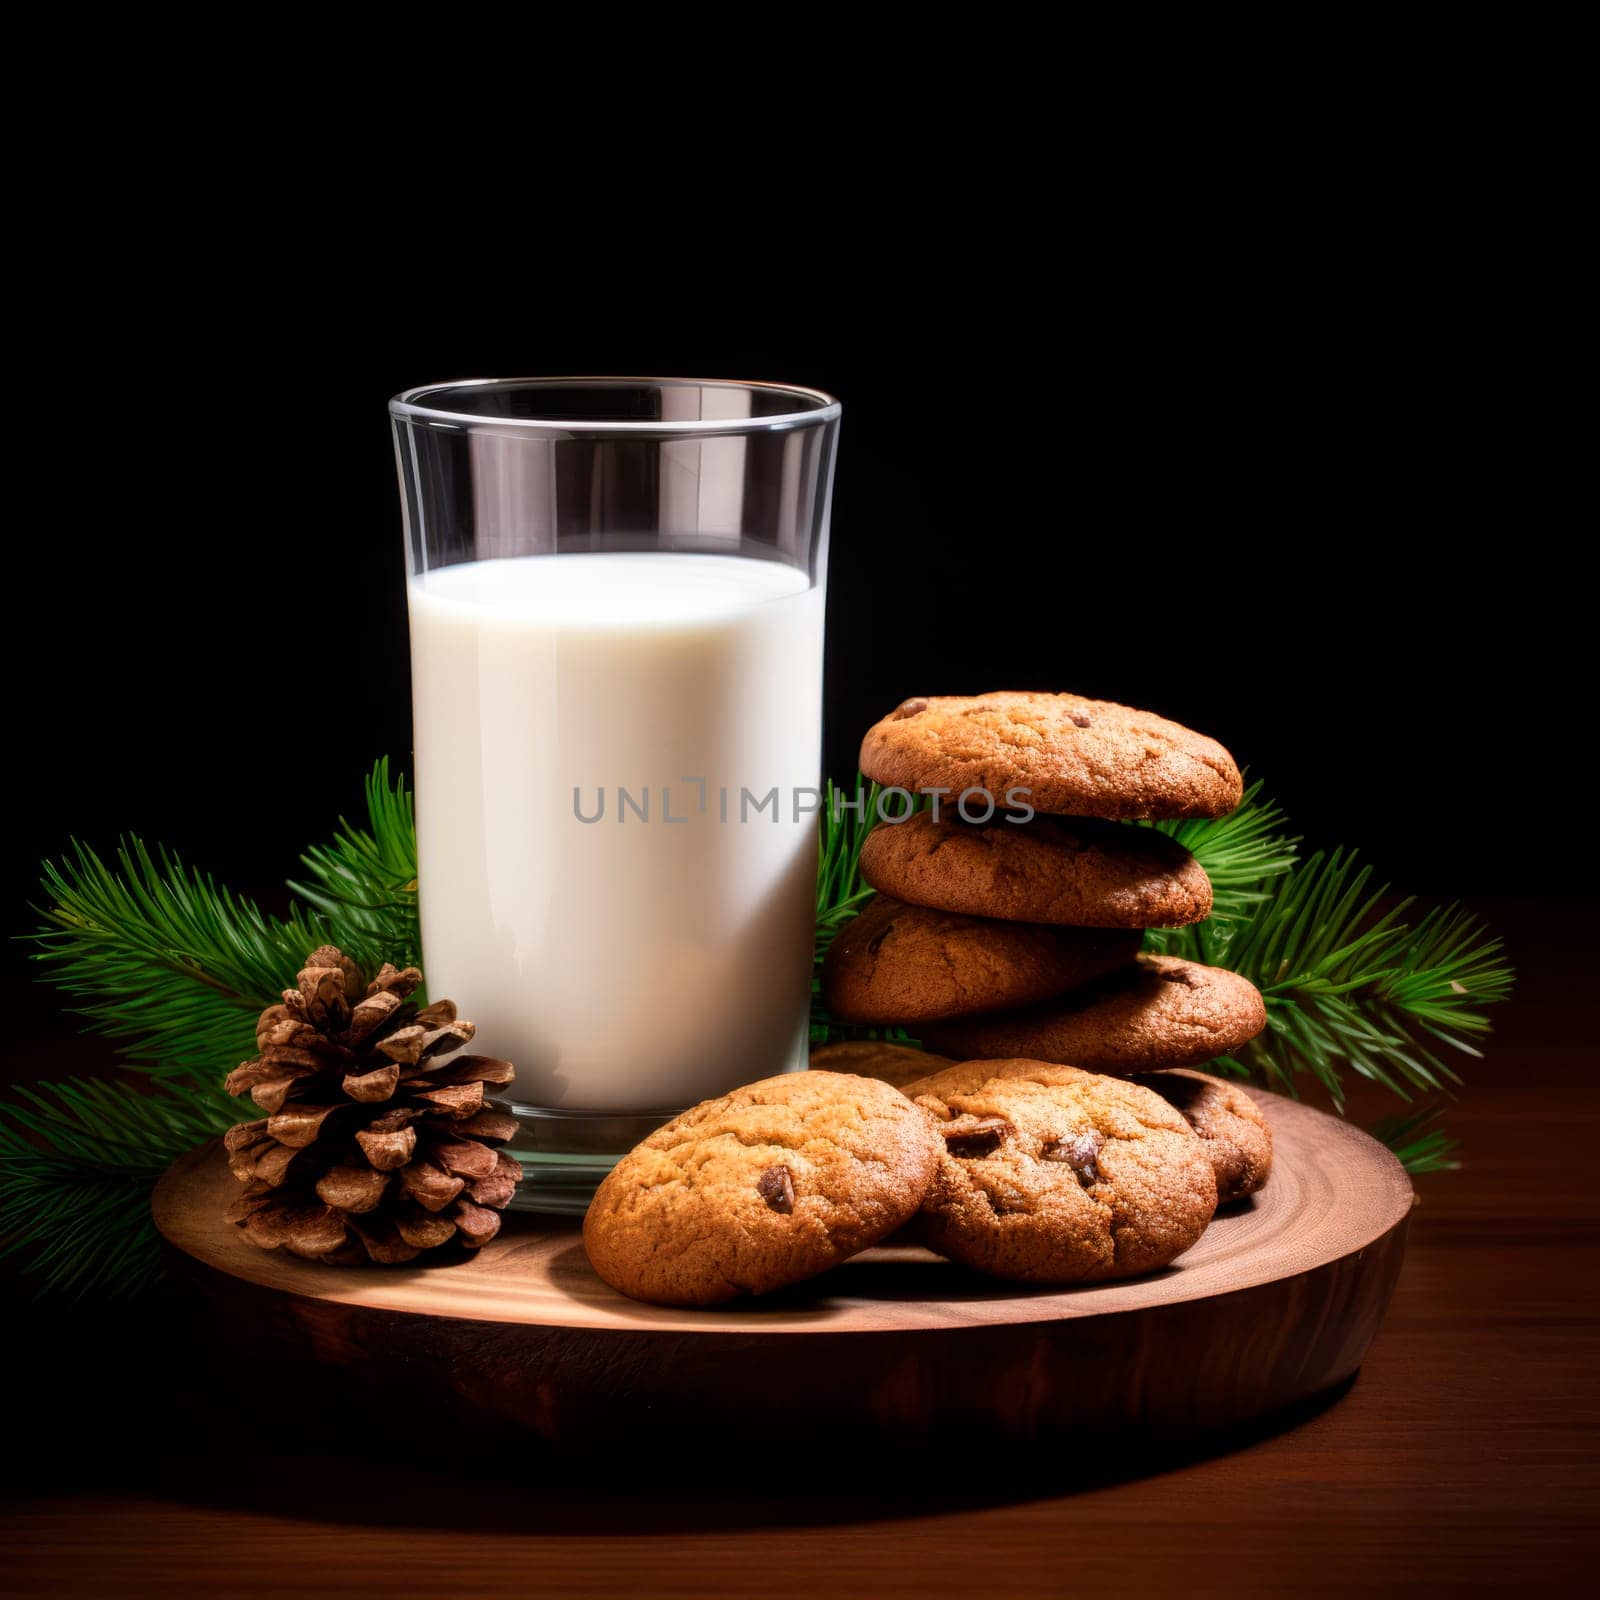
pixel 1241 852
pixel 841 893
pixel 1418 1146
pixel 171 966
pixel 1351 983
pixel 364 883
pixel 77 1161
pixel 841 890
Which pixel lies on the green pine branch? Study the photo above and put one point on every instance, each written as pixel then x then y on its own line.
pixel 841 890
pixel 77 1161
pixel 841 893
pixel 364 882
pixel 1349 982
pixel 171 966
pixel 175 968
pixel 1419 1146
pixel 1243 853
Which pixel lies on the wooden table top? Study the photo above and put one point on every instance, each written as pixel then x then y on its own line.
pixel 1463 1455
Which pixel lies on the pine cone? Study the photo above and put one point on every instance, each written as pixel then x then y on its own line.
pixel 373 1145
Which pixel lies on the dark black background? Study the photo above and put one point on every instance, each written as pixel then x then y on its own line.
pixel 1314 513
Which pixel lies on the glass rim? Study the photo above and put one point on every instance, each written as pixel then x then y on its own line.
pixel 408 405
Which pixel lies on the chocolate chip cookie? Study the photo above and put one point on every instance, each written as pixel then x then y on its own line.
pixel 1161 1012
pixel 909 965
pixel 1077 871
pixel 763 1187
pixel 898 1064
pixel 1230 1124
pixel 1051 1175
pixel 1077 757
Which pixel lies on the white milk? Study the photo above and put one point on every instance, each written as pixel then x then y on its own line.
pixel 622 964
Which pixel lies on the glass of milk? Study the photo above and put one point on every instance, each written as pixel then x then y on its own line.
pixel 616 592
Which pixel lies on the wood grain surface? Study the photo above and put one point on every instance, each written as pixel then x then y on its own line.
pixel 145 1461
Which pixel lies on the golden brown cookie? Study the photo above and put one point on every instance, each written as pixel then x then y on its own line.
pixel 1230 1124
pixel 1075 757
pixel 1051 1175
pixel 1163 1012
pixel 1077 871
pixel 908 965
pixel 763 1187
pixel 898 1064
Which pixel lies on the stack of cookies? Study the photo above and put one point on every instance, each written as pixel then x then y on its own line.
pixel 1068 1144
pixel 1017 934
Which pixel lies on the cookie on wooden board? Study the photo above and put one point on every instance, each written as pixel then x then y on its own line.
pixel 1230 1124
pixel 760 1188
pixel 1052 1175
pixel 906 964
pixel 1161 1012
pixel 1077 871
pixel 898 1064
pixel 1075 757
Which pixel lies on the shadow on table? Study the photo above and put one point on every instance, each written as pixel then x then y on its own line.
pixel 164 1423
pixel 767 1487
pixel 134 1400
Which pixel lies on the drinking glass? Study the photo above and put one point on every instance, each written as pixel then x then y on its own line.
pixel 616 591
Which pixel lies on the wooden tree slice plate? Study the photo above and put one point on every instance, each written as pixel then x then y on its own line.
pixel 1278 1302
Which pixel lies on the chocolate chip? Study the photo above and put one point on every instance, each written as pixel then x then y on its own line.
pixel 1078 1151
pixel 968 1137
pixel 776 1187
pixel 1080 721
pixel 1180 975
pixel 878 938
pixel 909 708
